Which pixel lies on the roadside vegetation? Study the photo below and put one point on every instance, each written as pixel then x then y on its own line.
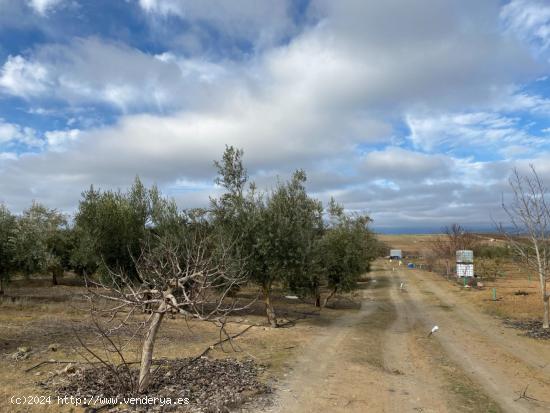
pixel 522 242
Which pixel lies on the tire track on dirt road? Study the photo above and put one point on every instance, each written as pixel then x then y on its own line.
pixel 468 338
pixel 310 387
pixel 419 388
pixel 536 354
pixel 427 380
pixel 378 360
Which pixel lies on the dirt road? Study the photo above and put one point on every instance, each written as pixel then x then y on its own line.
pixel 380 359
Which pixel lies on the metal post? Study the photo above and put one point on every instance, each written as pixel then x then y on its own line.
pixel 494 294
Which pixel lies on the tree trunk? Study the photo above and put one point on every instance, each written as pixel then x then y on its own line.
pixel 546 320
pixel 1 286
pixel 318 300
pixel 328 297
pixel 317 297
pixel 147 349
pixel 545 295
pixel 270 311
pixel 54 277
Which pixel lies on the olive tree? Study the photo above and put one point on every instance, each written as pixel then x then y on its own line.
pixel 7 226
pixel 241 212
pixel 274 233
pixel 36 239
pixel 112 225
pixel 342 254
pixel 529 236
pixel 238 212
pixel 292 221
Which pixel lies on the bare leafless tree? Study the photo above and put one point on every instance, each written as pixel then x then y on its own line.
pixel 529 236
pixel 454 238
pixel 192 277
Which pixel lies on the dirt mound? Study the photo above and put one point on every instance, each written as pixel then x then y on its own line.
pixel 208 385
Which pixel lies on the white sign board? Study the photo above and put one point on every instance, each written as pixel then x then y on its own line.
pixel 464 270
pixel 465 256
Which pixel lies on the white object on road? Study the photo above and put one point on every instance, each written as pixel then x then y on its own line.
pixel 402 286
pixel 434 329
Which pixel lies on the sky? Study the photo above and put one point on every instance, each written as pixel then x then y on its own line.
pixel 413 111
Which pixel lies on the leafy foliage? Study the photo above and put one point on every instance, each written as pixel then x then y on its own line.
pixel 347 249
pixel 7 227
pixel 283 237
pixel 340 255
pixel 36 240
pixel 492 251
pixel 111 226
pixel 276 232
pixel 292 221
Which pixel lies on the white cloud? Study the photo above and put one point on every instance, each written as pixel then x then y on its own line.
pixel 262 23
pixel 402 165
pixel 374 54
pixel 43 6
pixel 343 63
pixel 469 132
pixel 21 77
pixel 11 133
pixel 60 139
pixel 8 132
pixel 514 100
pixel 319 101
pixel 7 156
pixel 205 71
pixel 54 140
pixel 530 20
pixel 93 71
